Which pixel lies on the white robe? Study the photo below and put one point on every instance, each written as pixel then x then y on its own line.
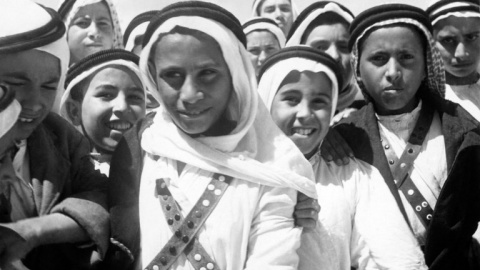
pixel 468 96
pixel 365 228
pixel 252 226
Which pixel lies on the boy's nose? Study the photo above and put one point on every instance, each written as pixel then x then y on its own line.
pixel 303 110
pixel 333 52
pixel 189 92
pixel 393 70
pixel 461 51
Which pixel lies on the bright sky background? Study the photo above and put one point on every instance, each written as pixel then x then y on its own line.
pixel 127 9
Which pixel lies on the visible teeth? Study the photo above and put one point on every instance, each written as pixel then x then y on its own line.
pixel 303 131
pixel 120 126
pixel 22 119
pixel 192 112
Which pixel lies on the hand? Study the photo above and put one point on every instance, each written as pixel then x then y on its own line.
pixel 335 148
pixel 306 211
pixel 343 114
pixel 16 265
pixel 16 241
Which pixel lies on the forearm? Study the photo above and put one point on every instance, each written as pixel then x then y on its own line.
pixel 51 229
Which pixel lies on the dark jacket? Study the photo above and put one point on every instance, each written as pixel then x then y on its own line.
pixel 125 172
pixel 64 181
pixel 449 242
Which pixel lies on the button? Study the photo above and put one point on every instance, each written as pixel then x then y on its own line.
pixel 391 162
pixel 221 177
pixel 418 208
pixel 177 217
pixel 190 224
pixel 210 266
pixel 241 157
pixel 381 139
pixel 178 233
pixel 185 239
pixel 172 250
pixel 155 267
pixel 170 221
pixel 410 151
pixel 165 197
pixel 203 268
pixel 211 187
pixel 197 257
pixel 163 185
pixel 429 217
pixel 198 214
pixel 218 192
pixel 403 165
pixel 411 192
pixel 395 181
pixel 424 204
pixel 163 260
pixel 206 203
pixel 168 207
pixel 387 146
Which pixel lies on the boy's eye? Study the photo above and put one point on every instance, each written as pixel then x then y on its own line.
pixel 472 37
pixel 50 87
pixel 343 47
pixel 269 9
pixel 447 40
pixel 285 8
pixel 292 101
pixel 82 23
pixel 207 75
pixel 173 78
pixel 254 51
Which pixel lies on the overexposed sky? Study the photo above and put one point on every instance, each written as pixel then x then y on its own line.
pixel 127 9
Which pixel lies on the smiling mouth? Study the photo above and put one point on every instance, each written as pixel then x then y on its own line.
pixel 25 120
pixel 303 131
pixel 120 126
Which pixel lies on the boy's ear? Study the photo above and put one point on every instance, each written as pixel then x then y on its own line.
pixel 74 111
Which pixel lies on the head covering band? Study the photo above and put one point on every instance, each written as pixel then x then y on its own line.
pixel 311 13
pixel 196 8
pixel 137 26
pixel 43 35
pixel 461 8
pixel 393 14
pixel 264 24
pixel 299 58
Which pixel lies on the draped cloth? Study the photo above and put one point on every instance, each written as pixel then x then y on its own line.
pixel 270 27
pixel 256 150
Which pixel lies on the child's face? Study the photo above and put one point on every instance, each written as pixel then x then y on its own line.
pixel 193 80
pixel 333 39
pixel 459 43
pixel 260 45
pixel 34 76
pixel 302 109
pixel 280 11
pixel 113 102
pixel 91 31
pixel 392 67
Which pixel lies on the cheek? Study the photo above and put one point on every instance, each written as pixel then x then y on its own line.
pixel 75 34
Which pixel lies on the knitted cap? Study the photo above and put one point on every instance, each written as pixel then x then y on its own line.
pixel 98 59
pixel 385 12
pixel 316 10
pixel 141 18
pixel 196 8
pixel 266 24
pixel 439 10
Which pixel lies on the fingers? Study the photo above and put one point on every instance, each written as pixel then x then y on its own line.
pixel 306 218
pixel 335 148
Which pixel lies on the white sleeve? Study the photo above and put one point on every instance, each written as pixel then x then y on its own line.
pixel 381 238
pixel 273 239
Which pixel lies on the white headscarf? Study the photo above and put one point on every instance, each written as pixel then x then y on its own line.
pixel 296 37
pixel 9 116
pixel 66 98
pixel 274 76
pixel 20 16
pixel 270 27
pixel 257 3
pixel 117 36
pixel 256 150
pixel 452 5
